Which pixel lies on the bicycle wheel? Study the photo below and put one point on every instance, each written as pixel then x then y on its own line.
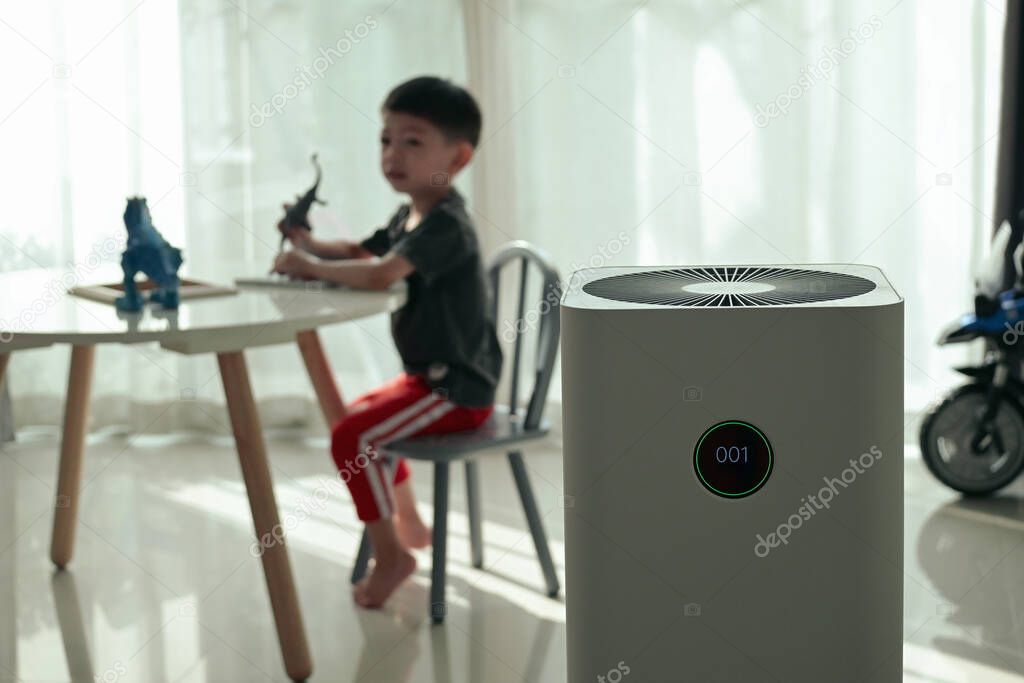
pixel 946 436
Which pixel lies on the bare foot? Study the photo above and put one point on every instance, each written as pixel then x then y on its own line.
pixel 374 590
pixel 412 532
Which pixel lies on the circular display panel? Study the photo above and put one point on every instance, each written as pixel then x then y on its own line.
pixel 733 459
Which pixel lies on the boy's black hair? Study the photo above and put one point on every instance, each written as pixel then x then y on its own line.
pixel 446 105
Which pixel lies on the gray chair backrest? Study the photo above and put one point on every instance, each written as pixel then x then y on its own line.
pixel 548 323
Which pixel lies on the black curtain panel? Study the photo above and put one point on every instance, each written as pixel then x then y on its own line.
pixel 6 419
pixel 1010 169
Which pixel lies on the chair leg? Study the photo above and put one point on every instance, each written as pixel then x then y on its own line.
pixel 362 558
pixel 476 541
pixel 540 539
pixel 438 607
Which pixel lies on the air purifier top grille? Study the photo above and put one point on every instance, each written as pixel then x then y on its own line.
pixel 730 287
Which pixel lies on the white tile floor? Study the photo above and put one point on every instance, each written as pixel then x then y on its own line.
pixel 163 588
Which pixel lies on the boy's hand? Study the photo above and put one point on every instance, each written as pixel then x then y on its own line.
pixel 294 264
pixel 300 239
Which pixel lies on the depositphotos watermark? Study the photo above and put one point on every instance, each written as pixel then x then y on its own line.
pixel 1013 332
pixel 317 500
pixel 818 71
pixel 812 503
pixel 114 673
pixel 56 289
pixel 615 674
pixel 552 297
pixel 311 72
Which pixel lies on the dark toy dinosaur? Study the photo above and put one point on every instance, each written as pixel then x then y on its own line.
pixel 297 215
pixel 149 253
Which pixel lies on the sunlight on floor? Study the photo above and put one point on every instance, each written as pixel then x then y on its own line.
pixel 318 518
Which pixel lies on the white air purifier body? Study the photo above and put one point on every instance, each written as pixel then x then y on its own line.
pixel 733 449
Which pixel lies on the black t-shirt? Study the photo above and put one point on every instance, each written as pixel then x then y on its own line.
pixel 445 331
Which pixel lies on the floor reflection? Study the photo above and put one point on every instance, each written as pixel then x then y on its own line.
pixel 163 588
pixel 970 550
pixel 72 627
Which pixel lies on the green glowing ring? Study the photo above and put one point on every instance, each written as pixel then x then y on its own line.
pixel 696 461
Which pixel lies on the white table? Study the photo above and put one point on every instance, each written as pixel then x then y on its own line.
pixel 35 312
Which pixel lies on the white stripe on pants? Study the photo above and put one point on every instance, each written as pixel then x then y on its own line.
pixel 378 474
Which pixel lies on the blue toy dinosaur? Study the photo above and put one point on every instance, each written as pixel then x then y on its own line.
pixel 147 252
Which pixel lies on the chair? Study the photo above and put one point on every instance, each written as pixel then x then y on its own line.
pixel 507 430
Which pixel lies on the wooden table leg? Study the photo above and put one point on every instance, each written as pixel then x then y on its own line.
pixel 320 374
pixel 4 357
pixel 69 473
pixel 252 455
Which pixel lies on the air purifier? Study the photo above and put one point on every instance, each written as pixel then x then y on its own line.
pixel 733 456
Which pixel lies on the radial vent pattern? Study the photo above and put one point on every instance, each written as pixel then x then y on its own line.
pixel 729 286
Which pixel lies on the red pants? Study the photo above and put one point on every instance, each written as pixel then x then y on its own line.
pixel 402 408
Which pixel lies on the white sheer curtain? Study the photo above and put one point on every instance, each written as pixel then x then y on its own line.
pixel 653 130
pixel 90 113
pixel 616 132
pixel 163 99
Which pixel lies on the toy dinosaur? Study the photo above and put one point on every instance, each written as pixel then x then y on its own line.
pixel 297 215
pixel 148 252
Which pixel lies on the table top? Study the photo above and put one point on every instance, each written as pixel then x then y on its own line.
pixel 36 310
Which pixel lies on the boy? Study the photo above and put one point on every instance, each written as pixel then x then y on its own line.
pixel 445 332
